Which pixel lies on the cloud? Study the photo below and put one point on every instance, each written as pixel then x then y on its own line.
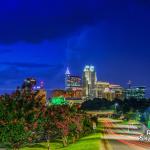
pixel 17 72
pixel 35 21
pixel 27 65
pixel 39 20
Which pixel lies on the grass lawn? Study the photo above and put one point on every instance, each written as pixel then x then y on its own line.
pixel 133 122
pixel 91 142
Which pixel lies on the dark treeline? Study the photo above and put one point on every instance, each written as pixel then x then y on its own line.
pixel 120 105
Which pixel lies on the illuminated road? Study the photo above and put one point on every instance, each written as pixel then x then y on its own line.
pixel 121 137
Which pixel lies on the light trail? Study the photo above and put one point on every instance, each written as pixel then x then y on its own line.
pixel 133 144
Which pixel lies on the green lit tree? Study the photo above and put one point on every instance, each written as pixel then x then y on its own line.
pixel 58 101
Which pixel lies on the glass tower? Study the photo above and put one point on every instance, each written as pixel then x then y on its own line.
pixel 89 82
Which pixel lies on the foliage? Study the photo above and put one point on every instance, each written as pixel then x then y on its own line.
pixel 24 120
pixel 58 101
pixel 65 122
pixel 19 115
pixel 90 142
pixel 125 106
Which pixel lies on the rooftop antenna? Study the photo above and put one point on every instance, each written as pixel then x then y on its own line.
pixel 129 84
pixel 67 71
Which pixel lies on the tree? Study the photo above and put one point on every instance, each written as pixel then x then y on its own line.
pixel 58 101
pixel 19 118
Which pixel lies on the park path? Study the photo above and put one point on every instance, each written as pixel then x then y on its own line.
pixel 121 137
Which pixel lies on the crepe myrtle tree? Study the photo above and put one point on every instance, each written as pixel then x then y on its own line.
pixel 75 127
pixel 19 118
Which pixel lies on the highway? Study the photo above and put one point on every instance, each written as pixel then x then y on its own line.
pixel 121 137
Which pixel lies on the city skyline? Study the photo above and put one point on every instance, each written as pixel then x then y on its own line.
pixel 41 39
pixel 46 86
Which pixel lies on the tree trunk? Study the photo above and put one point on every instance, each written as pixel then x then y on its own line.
pixel 65 141
pixel 77 136
pixel 73 139
pixel 48 143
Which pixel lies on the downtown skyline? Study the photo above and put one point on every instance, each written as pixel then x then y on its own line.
pixel 114 38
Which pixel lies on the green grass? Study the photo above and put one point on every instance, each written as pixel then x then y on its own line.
pixel 134 122
pixel 91 142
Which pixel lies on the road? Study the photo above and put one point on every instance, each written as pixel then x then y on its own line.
pixel 121 137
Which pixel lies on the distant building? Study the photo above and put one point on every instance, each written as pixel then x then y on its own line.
pixel 102 89
pixel 73 87
pixel 108 91
pixel 137 92
pixel 89 82
pixel 117 91
pixel 71 81
pixel 68 94
pixel 67 78
pixel 29 83
pixel 58 93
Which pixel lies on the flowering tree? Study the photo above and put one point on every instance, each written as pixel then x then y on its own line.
pixel 19 118
pixel 23 119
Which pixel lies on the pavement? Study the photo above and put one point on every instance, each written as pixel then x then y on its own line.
pixel 121 137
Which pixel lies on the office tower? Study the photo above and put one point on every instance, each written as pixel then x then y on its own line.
pixel 89 82
pixel 137 92
pixel 109 91
pixel 71 81
pixel 102 90
pixel 67 79
pixel 29 83
pixel 117 92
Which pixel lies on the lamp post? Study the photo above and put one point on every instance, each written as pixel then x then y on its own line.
pixel 116 105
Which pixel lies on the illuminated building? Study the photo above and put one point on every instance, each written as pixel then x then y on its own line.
pixel 117 92
pixel 67 79
pixel 74 94
pixel 108 91
pixel 137 92
pixel 72 82
pixel 73 88
pixel 58 93
pixel 89 82
pixel 102 88
pixel 29 83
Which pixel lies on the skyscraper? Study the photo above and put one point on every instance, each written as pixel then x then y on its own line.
pixel 29 83
pixel 72 82
pixel 137 92
pixel 89 82
pixel 67 78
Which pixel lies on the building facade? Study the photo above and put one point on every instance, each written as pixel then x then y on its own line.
pixel 71 94
pixel 109 91
pixel 137 92
pixel 29 83
pixel 72 82
pixel 89 82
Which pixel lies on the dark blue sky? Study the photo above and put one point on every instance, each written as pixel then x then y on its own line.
pixel 40 38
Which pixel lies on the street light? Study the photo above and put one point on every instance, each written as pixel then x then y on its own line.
pixel 116 105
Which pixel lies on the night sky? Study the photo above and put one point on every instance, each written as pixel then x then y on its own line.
pixel 40 38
